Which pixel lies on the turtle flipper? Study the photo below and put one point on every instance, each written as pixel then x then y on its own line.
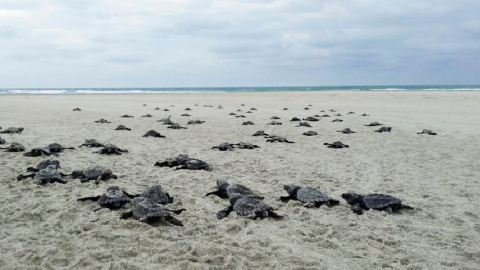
pixel 274 215
pixel 285 198
pixel 357 209
pixel 170 199
pixel 179 211
pixel 59 181
pixel 174 221
pixel 217 193
pixel 21 176
pixel 224 213
pixel 332 202
pixel 95 198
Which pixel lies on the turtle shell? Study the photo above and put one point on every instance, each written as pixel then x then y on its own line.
pixel 251 206
pixel 144 208
pixel 113 198
pixel 240 189
pixel 13 130
pixel 156 194
pixel 16 147
pixel 182 159
pixel 243 145
pixel 95 172
pixel 54 147
pixel 260 133
pixel 380 201
pixel 196 164
pixel 44 164
pixel 47 175
pixel 311 195
pixel 121 127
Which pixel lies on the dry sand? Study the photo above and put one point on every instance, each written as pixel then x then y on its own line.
pixel 44 227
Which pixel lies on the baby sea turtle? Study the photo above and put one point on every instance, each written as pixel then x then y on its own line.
pixel 322 111
pixel 260 133
pixel 176 126
pixel 166 110
pixel 224 190
pixel 14 147
pixel 253 109
pixel 146 210
pixel 247 206
pixel 188 109
pixel 248 123
pixel 346 131
pixel 373 124
pixel 153 133
pixel 310 133
pixel 114 198
pixel 157 109
pixel 122 127
pixel 147 115
pixel 285 109
pixel 103 121
pixel 325 115
pixel 350 113
pixel 336 145
pixel 249 111
pixel 364 114
pixel 239 110
pixel 309 196
pixel 384 129
pixel 2 141
pixel 96 173
pixel 173 162
pixel 48 175
pixel 274 117
pixel 195 122
pixel 12 130
pixel 232 113
pixel 144 105
pixel 274 123
pixel 337 114
pixel 166 121
pixel 185 114
pixel 306 108
pixel 304 124
pixel 44 164
pixel 310 105
pixel 76 110
pixel 427 131
pixel 126 116
pixel 156 194
pixel 242 104
pixel 316 115
pixel 310 118
pixel 220 106
pixel 38 152
pixel 337 120
pixel 194 164
pixel 332 110
pixel 58 148
pixel 295 119
pixel 224 147
pixel 379 202
pixel 243 145
pixel 278 139
pixel 91 143
pixel 240 116
pixel 111 149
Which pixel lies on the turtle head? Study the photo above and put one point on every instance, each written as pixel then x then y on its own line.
pixel 234 198
pixel 222 182
pixel 20 129
pixel 290 189
pixel 352 198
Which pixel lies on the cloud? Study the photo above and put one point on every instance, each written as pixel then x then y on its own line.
pixel 238 43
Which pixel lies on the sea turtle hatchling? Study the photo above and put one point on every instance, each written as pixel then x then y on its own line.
pixel 58 148
pixel 325 115
pixel 48 175
pixel 243 145
pixel 295 119
pixel 148 211
pixel 44 164
pixel 285 109
pixel 364 114
pixel 194 164
pixel 111 149
pixel 103 121
pixel 38 152
pixel 378 202
pixel 153 133
pixel 274 123
pixel 427 131
pixel 310 133
pixel 185 114
pixel 306 108
pixel 260 133
pixel 304 124
pixel 225 189
pixel 195 122
pixel 274 139
pixel 232 113
pixel 114 198
pixel 188 109
pixel 274 117
pixel 247 206
pixel 240 116
pixel 346 131
pixel 384 129
pixel 176 126
pixel 253 109
pixel 156 194
pixel 166 121
pixel 374 124
pixel 122 127
pixel 91 143
pixel 96 173
pixel 351 113
pixel 126 116
pixel 12 130
pixel 337 114
pixel 14 147
pixel 224 147
pixel 248 123
pixel 337 120
pixel 174 162
pixel 309 196
pixel 166 110
pixel 311 119
pixel 337 144
pixel 147 115
pixel 77 110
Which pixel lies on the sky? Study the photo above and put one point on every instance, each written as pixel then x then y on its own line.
pixel 219 43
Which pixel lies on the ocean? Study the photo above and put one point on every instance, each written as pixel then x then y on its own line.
pixel 134 90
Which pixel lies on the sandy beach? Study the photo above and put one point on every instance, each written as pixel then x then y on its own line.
pixel 44 227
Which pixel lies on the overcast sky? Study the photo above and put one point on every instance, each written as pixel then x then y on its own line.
pixel 207 43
